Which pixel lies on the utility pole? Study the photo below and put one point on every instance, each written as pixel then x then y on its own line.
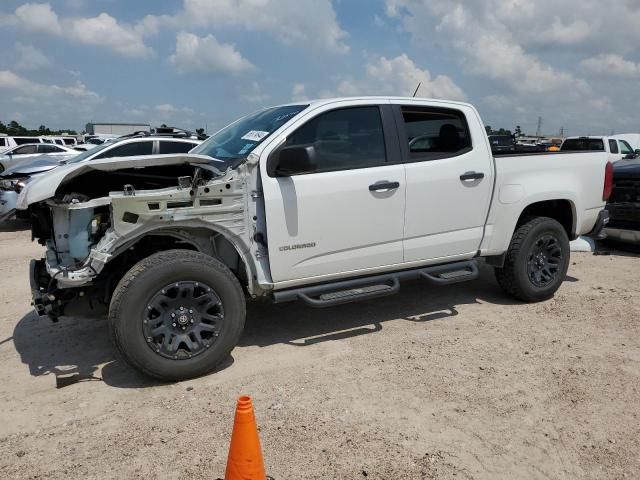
pixel 539 129
pixel 562 131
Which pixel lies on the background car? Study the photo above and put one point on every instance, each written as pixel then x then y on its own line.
pixel 15 155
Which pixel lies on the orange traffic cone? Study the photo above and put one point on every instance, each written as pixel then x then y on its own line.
pixel 245 456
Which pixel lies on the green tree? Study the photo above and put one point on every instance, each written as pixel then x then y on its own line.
pixel 518 132
pixel 16 129
pixel 200 131
pixel 488 129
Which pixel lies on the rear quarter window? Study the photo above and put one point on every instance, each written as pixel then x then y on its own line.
pixel 167 146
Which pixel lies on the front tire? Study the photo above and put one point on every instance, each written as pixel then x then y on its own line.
pixel 537 260
pixel 177 314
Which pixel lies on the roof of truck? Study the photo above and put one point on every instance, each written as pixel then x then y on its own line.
pixel 325 101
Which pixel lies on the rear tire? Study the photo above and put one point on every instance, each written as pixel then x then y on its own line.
pixel 177 314
pixel 537 260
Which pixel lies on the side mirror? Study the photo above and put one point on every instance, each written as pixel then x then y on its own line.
pixel 630 156
pixel 291 161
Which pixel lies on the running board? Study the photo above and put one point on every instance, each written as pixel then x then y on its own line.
pixel 346 291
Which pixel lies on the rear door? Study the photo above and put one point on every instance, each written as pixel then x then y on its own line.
pixel 449 181
pixel 338 219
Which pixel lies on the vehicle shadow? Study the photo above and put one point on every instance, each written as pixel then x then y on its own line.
pixel 15 225
pixel 78 348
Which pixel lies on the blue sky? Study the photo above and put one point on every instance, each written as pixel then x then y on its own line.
pixel 193 63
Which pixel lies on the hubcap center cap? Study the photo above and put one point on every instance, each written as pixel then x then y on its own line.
pixel 183 319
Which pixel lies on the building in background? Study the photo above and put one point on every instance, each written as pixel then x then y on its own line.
pixel 116 129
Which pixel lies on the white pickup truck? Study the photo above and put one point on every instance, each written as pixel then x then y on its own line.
pixel 325 202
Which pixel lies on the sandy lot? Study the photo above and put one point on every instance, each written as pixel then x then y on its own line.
pixel 456 382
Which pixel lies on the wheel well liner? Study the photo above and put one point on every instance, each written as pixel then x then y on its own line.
pixel 561 210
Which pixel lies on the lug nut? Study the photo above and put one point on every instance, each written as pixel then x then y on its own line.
pixel 173 324
pixel 184 328
pixel 191 321
pixel 190 311
pixel 173 315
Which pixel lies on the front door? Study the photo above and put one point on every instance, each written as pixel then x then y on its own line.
pixel 348 214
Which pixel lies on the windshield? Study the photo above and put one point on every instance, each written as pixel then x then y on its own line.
pixel 583 144
pixel 239 139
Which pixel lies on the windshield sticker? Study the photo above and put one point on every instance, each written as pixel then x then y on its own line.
pixel 245 149
pixel 255 135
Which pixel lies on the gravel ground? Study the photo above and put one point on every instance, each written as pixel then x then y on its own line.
pixel 456 382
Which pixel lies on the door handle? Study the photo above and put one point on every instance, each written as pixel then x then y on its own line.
pixel 384 186
pixel 471 176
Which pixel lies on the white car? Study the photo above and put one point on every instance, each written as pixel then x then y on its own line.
pixel 617 149
pixel 15 155
pixel 325 202
pixel 7 142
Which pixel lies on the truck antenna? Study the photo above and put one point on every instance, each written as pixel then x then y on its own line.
pixel 417 88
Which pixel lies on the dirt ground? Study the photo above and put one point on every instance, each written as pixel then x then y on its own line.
pixel 437 382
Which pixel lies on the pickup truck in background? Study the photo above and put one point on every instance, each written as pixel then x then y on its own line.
pixel 617 149
pixel 624 204
pixel 324 202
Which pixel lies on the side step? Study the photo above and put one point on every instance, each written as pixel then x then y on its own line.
pixel 346 291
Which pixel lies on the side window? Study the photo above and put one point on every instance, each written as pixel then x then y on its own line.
pixel 435 133
pixel 27 149
pixel 613 146
pixel 344 139
pixel 3 142
pixel 129 150
pixel 23 140
pixel 175 147
pixel 47 148
pixel 625 147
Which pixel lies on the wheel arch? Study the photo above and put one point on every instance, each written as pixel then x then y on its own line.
pixel 216 242
pixel 560 209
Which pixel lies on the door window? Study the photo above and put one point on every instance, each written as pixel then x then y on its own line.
pixel 344 139
pixel 47 148
pixel 613 146
pixel 26 150
pixel 175 147
pixel 625 148
pixel 433 133
pixel 129 150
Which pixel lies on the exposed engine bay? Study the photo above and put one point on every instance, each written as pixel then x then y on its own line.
pixel 100 222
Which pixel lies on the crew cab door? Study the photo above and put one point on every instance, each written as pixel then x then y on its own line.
pixel 449 172
pixel 348 214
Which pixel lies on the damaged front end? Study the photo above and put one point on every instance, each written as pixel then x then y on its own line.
pixel 99 220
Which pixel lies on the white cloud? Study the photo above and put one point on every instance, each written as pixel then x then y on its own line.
pixel 255 94
pixel 30 58
pixel 401 76
pixel 299 93
pixel 310 23
pixel 397 76
pixel 77 92
pixel 612 65
pixel 207 55
pixel 102 30
pixel 48 104
pixel 38 17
